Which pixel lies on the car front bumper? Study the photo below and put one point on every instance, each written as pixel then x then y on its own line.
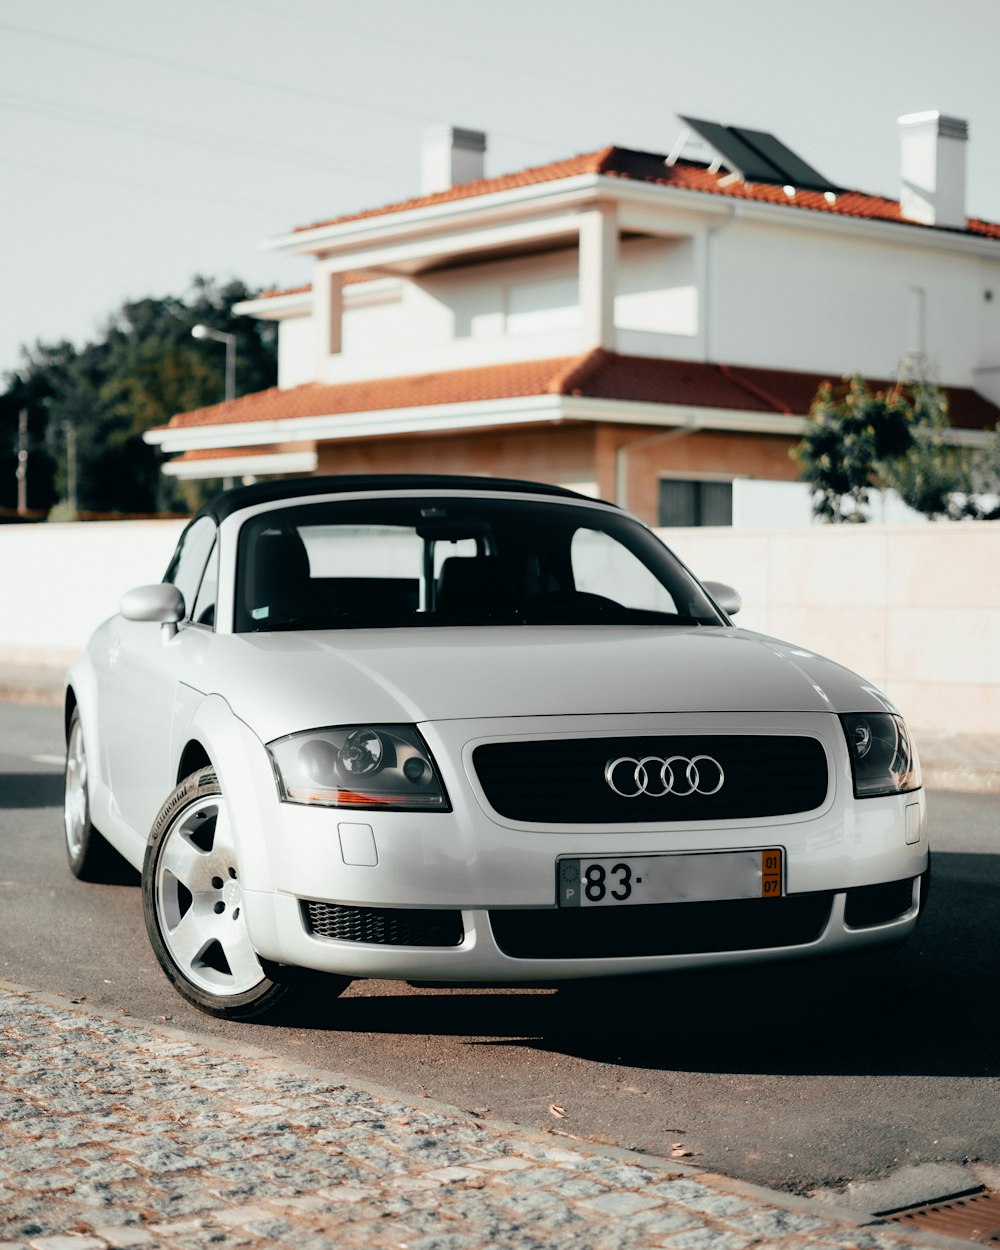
pixel 361 893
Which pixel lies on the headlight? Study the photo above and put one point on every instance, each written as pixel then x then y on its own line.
pixel 386 766
pixel 883 759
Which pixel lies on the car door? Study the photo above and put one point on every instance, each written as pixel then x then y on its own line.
pixel 147 661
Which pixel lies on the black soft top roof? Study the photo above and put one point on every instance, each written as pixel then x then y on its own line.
pixel 240 497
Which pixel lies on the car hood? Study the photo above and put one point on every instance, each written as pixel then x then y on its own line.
pixel 279 683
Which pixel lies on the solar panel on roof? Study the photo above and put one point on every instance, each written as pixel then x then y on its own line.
pixel 758 156
pixel 735 152
pixel 772 149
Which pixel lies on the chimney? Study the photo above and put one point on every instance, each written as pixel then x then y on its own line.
pixel 933 169
pixel 450 156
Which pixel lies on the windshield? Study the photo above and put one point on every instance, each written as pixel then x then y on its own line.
pixel 392 562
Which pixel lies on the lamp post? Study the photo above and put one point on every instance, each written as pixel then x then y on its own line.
pixel 220 336
pixel 22 463
pixel 70 434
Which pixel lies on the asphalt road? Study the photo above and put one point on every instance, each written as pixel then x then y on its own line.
pixel 799 1082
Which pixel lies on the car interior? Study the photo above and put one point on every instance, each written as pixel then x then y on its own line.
pixel 306 573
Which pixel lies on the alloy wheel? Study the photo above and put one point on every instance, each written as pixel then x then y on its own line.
pixel 199 902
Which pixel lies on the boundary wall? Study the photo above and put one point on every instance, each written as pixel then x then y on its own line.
pixel 916 610
pixel 61 580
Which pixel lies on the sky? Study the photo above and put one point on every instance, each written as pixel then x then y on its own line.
pixel 145 143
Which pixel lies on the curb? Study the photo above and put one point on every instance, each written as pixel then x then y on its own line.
pixel 31 694
pixel 819 1223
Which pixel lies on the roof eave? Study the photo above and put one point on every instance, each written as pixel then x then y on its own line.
pixel 336 235
pixel 581 189
pixel 798 215
pixel 485 414
pixel 275 307
pixel 238 466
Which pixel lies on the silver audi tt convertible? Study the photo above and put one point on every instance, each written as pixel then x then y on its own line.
pixel 472 730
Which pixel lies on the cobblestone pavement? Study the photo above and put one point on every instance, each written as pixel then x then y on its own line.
pixel 113 1134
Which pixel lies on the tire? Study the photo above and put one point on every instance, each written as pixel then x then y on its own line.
pixel 192 904
pixel 90 857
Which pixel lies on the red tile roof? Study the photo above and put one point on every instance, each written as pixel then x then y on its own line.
pixel 221 453
pixel 315 399
pixel 355 275
pixel 597 375
pixel 274 293
pixel 615 162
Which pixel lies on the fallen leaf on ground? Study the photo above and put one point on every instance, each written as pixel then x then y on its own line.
pixel 558 1112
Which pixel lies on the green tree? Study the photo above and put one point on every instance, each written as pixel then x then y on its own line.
pixel 931 471
pixel 984 480
pixel 144 368
pixel 31 394
pixel 853 433
pixel 936 477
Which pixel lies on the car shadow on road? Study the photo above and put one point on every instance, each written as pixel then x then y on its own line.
pixel 23 791
pixel 931 1010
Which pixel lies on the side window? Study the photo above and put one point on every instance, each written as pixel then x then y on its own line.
pixel 208 593
pixel 188 565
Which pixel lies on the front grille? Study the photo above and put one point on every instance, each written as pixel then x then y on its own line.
pixel 562 781
pixel 869 905
pixel 383 926
pixel 662 929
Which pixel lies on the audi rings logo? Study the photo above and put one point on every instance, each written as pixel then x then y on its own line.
pixel 656 777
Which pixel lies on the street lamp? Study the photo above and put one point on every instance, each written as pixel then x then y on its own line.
pixel 21 472
pixel 220 336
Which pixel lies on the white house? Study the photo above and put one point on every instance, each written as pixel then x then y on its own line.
pixel 650 328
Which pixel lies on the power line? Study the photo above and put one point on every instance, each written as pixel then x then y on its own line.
pixel 245 80
pixel 104 119
pixel 135 185
pixel 259 83
pixel 386 36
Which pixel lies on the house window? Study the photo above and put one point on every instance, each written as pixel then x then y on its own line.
pixel 695 501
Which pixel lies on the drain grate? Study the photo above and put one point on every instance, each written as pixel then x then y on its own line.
pixel 970 1216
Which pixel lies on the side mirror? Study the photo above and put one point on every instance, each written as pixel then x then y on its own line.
pixel 728 599
pixel 163 603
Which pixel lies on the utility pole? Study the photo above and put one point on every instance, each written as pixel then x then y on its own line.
pixel 22 463
pixel 70 433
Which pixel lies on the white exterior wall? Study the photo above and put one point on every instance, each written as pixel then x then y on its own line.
pixel 409 319
pixel 988 348
pixel 740 291
pixel 494 313
pixel 818 301
pixel 759 503
pixel 659 303
pixel 464 317
pixel 296 351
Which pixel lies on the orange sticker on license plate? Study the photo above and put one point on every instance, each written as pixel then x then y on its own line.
pixel 770 874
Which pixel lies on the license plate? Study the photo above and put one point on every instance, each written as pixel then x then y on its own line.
pixel 699 878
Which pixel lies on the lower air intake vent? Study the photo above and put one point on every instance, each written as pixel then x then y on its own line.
pixel 668 929
pixel 383 926
pixel 869 905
